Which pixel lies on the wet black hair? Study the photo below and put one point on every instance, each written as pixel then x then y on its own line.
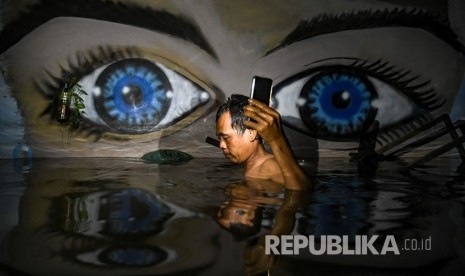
pixel 235 106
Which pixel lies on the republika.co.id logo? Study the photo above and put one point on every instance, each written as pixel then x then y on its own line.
pixel 337 245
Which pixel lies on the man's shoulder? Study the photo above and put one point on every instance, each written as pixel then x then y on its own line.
pixel 270 167
pixel 270 162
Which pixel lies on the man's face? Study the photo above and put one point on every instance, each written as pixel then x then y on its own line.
pixel 236 147
pixel 234 213
pixel 240 206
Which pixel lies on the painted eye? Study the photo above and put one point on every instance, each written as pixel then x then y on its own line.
pixel 137 96
pixel 134 212
pixel 132 97
pixel 338 103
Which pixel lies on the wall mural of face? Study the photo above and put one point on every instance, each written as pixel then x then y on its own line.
pixel 156 70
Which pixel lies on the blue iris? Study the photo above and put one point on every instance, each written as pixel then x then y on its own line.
pixel 337 103
pixel 134 256
pixel 135 212
pixel 134 96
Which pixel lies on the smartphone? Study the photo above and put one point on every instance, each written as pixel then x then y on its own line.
pixel 261 89
pixel 212 141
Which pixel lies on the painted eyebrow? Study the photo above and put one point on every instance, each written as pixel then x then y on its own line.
pixel 146 18
pixel 413 18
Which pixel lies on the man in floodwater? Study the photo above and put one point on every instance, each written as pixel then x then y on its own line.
pixel 242 125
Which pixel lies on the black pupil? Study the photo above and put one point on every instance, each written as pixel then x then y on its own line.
pixel 341 99
pixel 132 95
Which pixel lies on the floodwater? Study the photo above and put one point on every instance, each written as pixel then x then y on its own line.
pixel 130 217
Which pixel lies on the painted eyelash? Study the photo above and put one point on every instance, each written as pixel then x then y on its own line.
pixel 418 92
pixel 85 62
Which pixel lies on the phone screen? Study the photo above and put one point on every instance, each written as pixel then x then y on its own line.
pixel 261 89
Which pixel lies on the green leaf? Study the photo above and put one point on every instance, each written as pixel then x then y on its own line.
pixel 75 89
pixel 80 105
pixel 78 98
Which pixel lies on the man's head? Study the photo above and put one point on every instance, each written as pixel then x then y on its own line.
pixel 237 142
pixel 239 214
pixel 241 220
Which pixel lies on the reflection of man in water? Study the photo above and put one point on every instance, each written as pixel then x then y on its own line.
pixel 246 205
pixel 241 141
pixel 240 213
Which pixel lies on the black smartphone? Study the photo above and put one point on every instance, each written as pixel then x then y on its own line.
pixel 212 141
pixel 261 89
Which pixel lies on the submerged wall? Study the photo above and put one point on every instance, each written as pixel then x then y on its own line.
pixel 155 71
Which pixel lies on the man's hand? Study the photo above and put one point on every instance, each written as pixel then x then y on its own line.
pixel 265 120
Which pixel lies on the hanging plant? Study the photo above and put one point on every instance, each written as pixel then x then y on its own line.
pixel 77 104
pixel 71 104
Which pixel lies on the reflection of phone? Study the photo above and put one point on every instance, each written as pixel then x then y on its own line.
pixel 261 89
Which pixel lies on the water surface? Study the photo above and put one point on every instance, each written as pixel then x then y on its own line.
pixel 129 217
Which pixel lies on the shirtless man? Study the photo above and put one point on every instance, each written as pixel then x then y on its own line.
pixel 241 141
